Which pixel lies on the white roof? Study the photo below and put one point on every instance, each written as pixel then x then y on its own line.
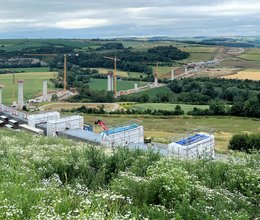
pixel 9 126
pixel 3 116
pixel 1 121
pixel 13 121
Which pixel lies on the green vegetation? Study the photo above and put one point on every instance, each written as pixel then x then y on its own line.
pixel 251 54
pixel 26 70
pixel 101 84
pixel 32 84
pixel 61 179
pixel 165 107
pixel 245 142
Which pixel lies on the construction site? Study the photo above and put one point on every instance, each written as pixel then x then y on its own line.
pixel 131 135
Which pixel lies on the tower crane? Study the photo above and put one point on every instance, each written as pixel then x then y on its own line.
pixel 114 74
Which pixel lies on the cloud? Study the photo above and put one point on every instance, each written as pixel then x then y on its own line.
pixel 129 17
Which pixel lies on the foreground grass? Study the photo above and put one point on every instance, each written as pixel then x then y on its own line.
pixel 32 84
pixel 44 178
pixel 163 129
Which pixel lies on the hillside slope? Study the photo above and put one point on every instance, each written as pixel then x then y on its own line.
pixel 44 178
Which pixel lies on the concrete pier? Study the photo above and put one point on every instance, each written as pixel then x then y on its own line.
pixel 20 94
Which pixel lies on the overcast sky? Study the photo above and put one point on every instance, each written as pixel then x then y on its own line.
pixel 116 18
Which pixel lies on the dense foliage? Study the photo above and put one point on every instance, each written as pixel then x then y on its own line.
pixel 43 178
pixel 245 142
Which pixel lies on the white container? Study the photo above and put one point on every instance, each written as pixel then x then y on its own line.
pixel 42 118
pixel 123 138
pixel 203 147
pixel 63 124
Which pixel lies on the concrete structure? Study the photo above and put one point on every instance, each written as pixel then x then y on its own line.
pixel 156 81
pixel 172 74
pixel 44 91
pixel 200 145
pixel 122 136
pixel 110 82
pixel 136 86
pixel 1 88
pixel 33 120
pixel 20 94
pixel 63 124
pixel 186 70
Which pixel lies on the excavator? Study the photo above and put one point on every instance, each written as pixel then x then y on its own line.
pixel 102 125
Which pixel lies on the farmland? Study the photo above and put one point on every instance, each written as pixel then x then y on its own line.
pixel 251 74
pixel 251 54
pixel 32 84
pixel 164 106
pixel 101 84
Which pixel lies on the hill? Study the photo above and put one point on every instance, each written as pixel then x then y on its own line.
pixel 60 179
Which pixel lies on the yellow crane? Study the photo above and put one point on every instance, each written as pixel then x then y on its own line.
pixel 114 75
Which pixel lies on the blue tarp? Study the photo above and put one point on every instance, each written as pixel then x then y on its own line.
pixel 121 129
pixel 192 139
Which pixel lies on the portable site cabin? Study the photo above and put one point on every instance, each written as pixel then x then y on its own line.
pixel 63 124
pixel 42 118
pixel 4 119
pixel 122 136
pixel 200 145
pixel 14 123
pixel 2 123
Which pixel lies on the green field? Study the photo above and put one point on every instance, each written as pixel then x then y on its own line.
pixel 251 54
pixel 121 73
pixel 153 92
pixel 28 70
pixel 166 106
pixel 32 84
pixel 163 129
pixel 101 84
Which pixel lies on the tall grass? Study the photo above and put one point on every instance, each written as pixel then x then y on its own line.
pixel 44 178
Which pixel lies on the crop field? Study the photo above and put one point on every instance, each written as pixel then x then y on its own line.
pixel 165 106
pixel 28 70
pixel 101 84
pixel 121 73
pixel 252 74
pixel 153 92
pixel 197 57
pixel 163 129
pixel 251 54
pixel 19 44
pixel 32 84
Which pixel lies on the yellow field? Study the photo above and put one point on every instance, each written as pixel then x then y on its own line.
pixel 251 74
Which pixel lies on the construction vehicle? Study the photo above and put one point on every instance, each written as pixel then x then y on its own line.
pixel 102 125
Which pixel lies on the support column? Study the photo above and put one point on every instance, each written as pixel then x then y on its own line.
pixel 108 83
pixel 172 74
pixel 44 90
pixel 135 86
pixel 186 70
pixel 1 94
pixel 20 94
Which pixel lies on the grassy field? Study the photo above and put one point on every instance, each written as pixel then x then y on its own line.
pixel 32 84
pixel 153 92
pixel 28 70
pixel 163 129
pixel 101 84
pixel 252 74
pixel 251 54
pixel 166 106
pixel 121 73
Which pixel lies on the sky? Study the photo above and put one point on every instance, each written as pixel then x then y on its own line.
pixel 127 18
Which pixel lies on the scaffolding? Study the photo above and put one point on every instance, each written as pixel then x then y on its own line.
pixel 198 143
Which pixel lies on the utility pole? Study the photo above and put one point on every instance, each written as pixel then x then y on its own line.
pixel 13 88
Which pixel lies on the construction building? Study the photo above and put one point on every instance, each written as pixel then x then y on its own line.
pixel 199 145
